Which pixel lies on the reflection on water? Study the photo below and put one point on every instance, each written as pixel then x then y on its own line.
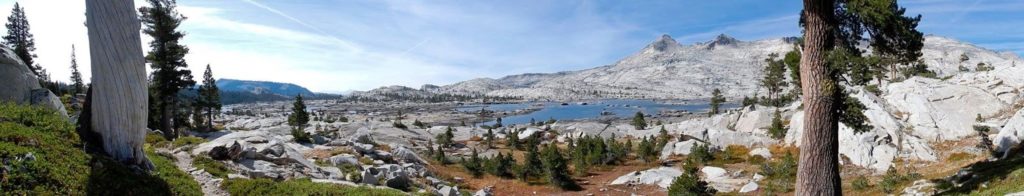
pixel 589 109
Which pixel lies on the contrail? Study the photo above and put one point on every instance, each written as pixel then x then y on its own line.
pixel 414 47
pixel 300 22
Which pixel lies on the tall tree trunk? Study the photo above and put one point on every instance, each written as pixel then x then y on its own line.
pixel 818 173
pixel 166 117
pixel 209 118
pixel 119 102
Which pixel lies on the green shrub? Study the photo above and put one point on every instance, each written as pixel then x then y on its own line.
pixel 61 167
pixel 699 154
pixel 690 184
pixel 301 136
pixel 214 167
pixel 860 183
pixel 892 180
pixel 299 187
pixel 780 175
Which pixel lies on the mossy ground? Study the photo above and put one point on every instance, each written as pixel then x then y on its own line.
pixel 60 166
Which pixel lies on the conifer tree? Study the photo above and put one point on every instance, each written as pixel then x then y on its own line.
pixel 716 101
pixel 489 139
pixel 532 165
pixel 299 119
pixel 167 59
pixel 512 140
pixel 774 78
pixel 777 129
pixel 21 40
pixel 77 86
pixel 209 97
pixel 440 157
pixel 556 169
pixel 473 165
pixel 831 29
pixel 689 184
pixel 638 121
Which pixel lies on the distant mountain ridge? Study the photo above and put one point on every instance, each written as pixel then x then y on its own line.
pixel 665 69
pixel 263 87
pixel 244 91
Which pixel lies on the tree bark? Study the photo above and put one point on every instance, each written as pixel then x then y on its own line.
pixel 119 102
pixel 818 173
pixel 209 119
pixel 166 117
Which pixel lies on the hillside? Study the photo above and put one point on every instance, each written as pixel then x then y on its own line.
pixel 666 69
pixel 262 87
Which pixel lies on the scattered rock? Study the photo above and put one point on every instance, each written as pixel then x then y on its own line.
pixel 448 191
pixel 763 152
pixel 751 186
pixel 661 176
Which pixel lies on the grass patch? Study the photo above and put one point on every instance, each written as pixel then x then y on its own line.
pixel 991 178
pixel 959 156
pixel 59 166
pixel 186 141
pixel 299 187
pixel 214 167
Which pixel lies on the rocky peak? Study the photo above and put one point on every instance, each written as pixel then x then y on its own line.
pixel 662 44
pixel 722 40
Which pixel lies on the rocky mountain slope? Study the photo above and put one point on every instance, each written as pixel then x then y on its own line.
pixel 667 69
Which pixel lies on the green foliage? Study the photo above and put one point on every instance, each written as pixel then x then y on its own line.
pixel 716 101
pixel 59 166
pixel 214 167
pixel 638 121
pixel 500 165
pixel 209 98
pixel 300 187
pixel 774 78
pixel 512 140
pixel 445 139
pixel 439 156
pixel 918 69
pixel 301 136
pixel 646 149
pixel 532 166
pixel 21 40
pixel 185 141
pixel 473 165
pixel 748 101
pixel 777 129
pixel 792 61
pixel 166 57
pixel 892 180
pixel 299 118
pixel 873 89
pixel 780 175
pixel 556 169
pixel 419 124
pixel 700 154
pixel 860 183
pixel 77 85
pixel 984 67
pixel 853 114
pixel 689 184
pixel 399 124
pixel 592 150
pixel 489 138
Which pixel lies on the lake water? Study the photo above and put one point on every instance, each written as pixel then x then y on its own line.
pixel 592 109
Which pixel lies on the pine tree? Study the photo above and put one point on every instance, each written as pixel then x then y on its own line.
pixel 512 140
pixel 440 157
pixel 532 165
pixel 474 164
pixel 445 139
pixel 834 29
pixel 556 169
pixel 77 86
pixel 21 40
pixel 489 139
pixel 299 119
pixel 716 101
pixel 209 97
pixel 774 78
pixel 689 184
pixel 167 58
pixel 777 129
pixel 638 121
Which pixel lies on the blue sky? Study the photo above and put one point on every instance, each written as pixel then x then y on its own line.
pixel 336 46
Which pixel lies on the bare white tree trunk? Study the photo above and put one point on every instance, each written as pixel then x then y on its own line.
pixel 119 94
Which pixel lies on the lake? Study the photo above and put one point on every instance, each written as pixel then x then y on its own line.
pixel 590 110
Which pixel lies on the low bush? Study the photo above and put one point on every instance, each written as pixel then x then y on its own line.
pixel 187 141
pixel 860 183
pixel 299 187
pixel 214 167
pixel 780 175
